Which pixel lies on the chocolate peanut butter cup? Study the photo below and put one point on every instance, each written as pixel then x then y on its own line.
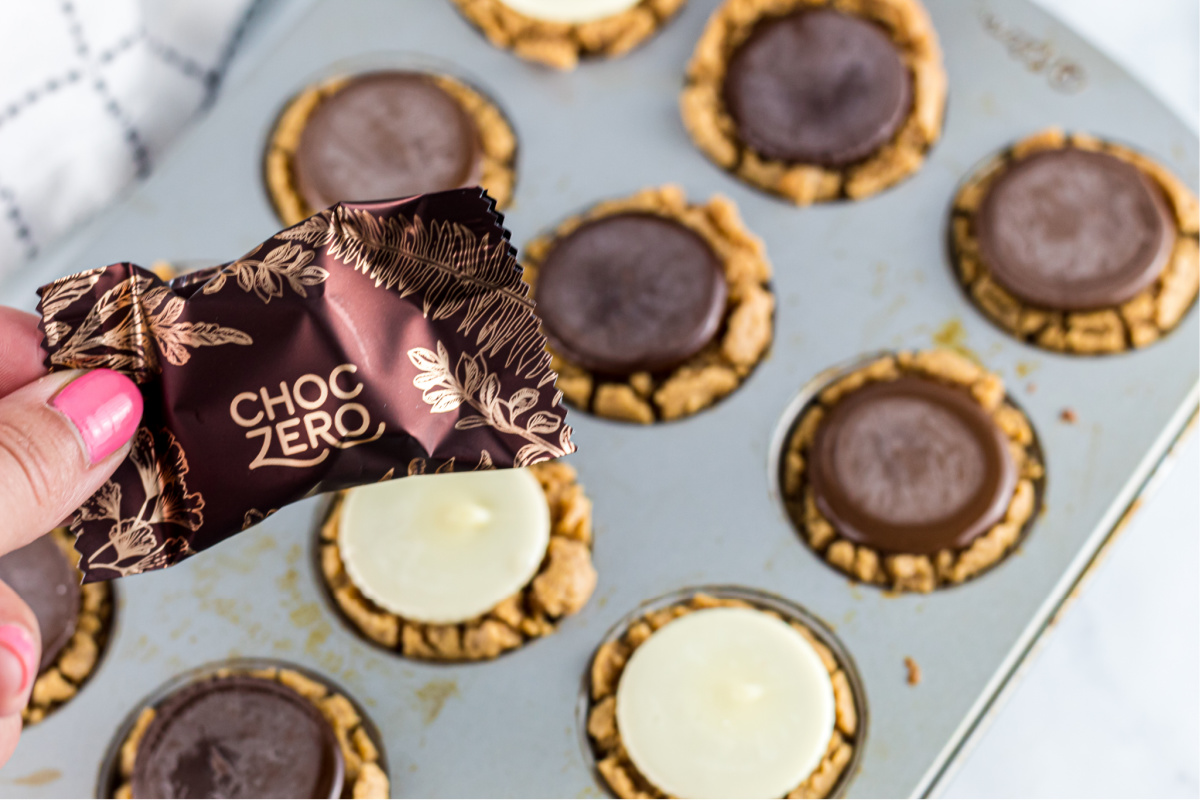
pixel 74 621
pixel 386 134
pixel 249 729
pixel 653 308
pixel 560 33
pixel 913 471
pixel 1074 230
pixel 683 693
pixel 460 567
pixel 1077 245
pixel 238 736
pixel 631 292
pixel 817 86
pixel 816 101
pixel 49 584
pixel 911 466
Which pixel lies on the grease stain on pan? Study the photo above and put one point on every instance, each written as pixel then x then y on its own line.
pixel 39 777
pixel 431 698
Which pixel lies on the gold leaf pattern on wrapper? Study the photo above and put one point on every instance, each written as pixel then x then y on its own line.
pixel 265 277
pixel 470 383
pixel 118 329
pixel 314 327
pixel 132 545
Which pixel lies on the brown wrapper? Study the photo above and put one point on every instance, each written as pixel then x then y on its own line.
pixel 369 342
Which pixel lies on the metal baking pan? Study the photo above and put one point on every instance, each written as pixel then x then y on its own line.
pixel 680 504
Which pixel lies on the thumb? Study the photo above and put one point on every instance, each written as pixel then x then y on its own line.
pixel 61 437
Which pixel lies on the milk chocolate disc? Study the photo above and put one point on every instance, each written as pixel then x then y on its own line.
pixel 817 86
pixel 911 466
pixel 631 292
pixel 385 135
pixel 238 736
pixel 1072 229
pixel 42 576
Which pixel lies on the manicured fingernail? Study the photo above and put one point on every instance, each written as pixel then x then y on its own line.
pixel 18 662
pixel 105 407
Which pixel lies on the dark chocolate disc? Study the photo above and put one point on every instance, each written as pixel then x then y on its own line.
pixel 911 466
pixel 631 292
pixel 385 135
pixel 817 86
pixel 1072 229
pixel 238 736
pixel 41 574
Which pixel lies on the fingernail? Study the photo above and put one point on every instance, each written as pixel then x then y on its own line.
pixel 105 408
pixel 18 662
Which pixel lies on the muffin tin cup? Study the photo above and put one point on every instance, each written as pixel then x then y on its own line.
pixel 691 503
pixel 789 610
pixel 109 777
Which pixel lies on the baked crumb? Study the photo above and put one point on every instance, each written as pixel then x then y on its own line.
pixel 914 670
pixel 1069 416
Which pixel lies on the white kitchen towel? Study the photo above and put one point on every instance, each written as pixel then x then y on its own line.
pixel 91 94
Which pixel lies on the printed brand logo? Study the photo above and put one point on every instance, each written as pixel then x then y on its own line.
pixel 296 428
pixel 1038 55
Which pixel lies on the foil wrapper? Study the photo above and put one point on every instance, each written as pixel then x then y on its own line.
pixel 370 342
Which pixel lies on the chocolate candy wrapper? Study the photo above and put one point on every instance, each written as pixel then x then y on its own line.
pixel 370 342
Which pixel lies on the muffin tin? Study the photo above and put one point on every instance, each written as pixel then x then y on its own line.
pixel 677 504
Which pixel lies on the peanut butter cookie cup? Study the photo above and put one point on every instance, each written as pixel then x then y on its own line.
pixel 654 308
pixel 816 100
pixel 75 621
pixel 248 729
pixel 558 33
pixel 913 471
pixel 723 692
pixel 464 566
pixel 386 134
pixel 1078 245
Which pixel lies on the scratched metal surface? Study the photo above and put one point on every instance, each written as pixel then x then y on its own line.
pixel 681 504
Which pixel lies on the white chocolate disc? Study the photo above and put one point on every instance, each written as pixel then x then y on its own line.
pixel 445 548
pixel 570 10
pixel 725 702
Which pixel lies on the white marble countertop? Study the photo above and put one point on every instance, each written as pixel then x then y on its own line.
pixel 1108 707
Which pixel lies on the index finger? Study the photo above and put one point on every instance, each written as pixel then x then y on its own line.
pixel 20 350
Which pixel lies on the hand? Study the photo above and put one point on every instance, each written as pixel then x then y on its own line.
pixel 61 436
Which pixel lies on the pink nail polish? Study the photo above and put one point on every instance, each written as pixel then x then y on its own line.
pixel 18 661
pixel 105 407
